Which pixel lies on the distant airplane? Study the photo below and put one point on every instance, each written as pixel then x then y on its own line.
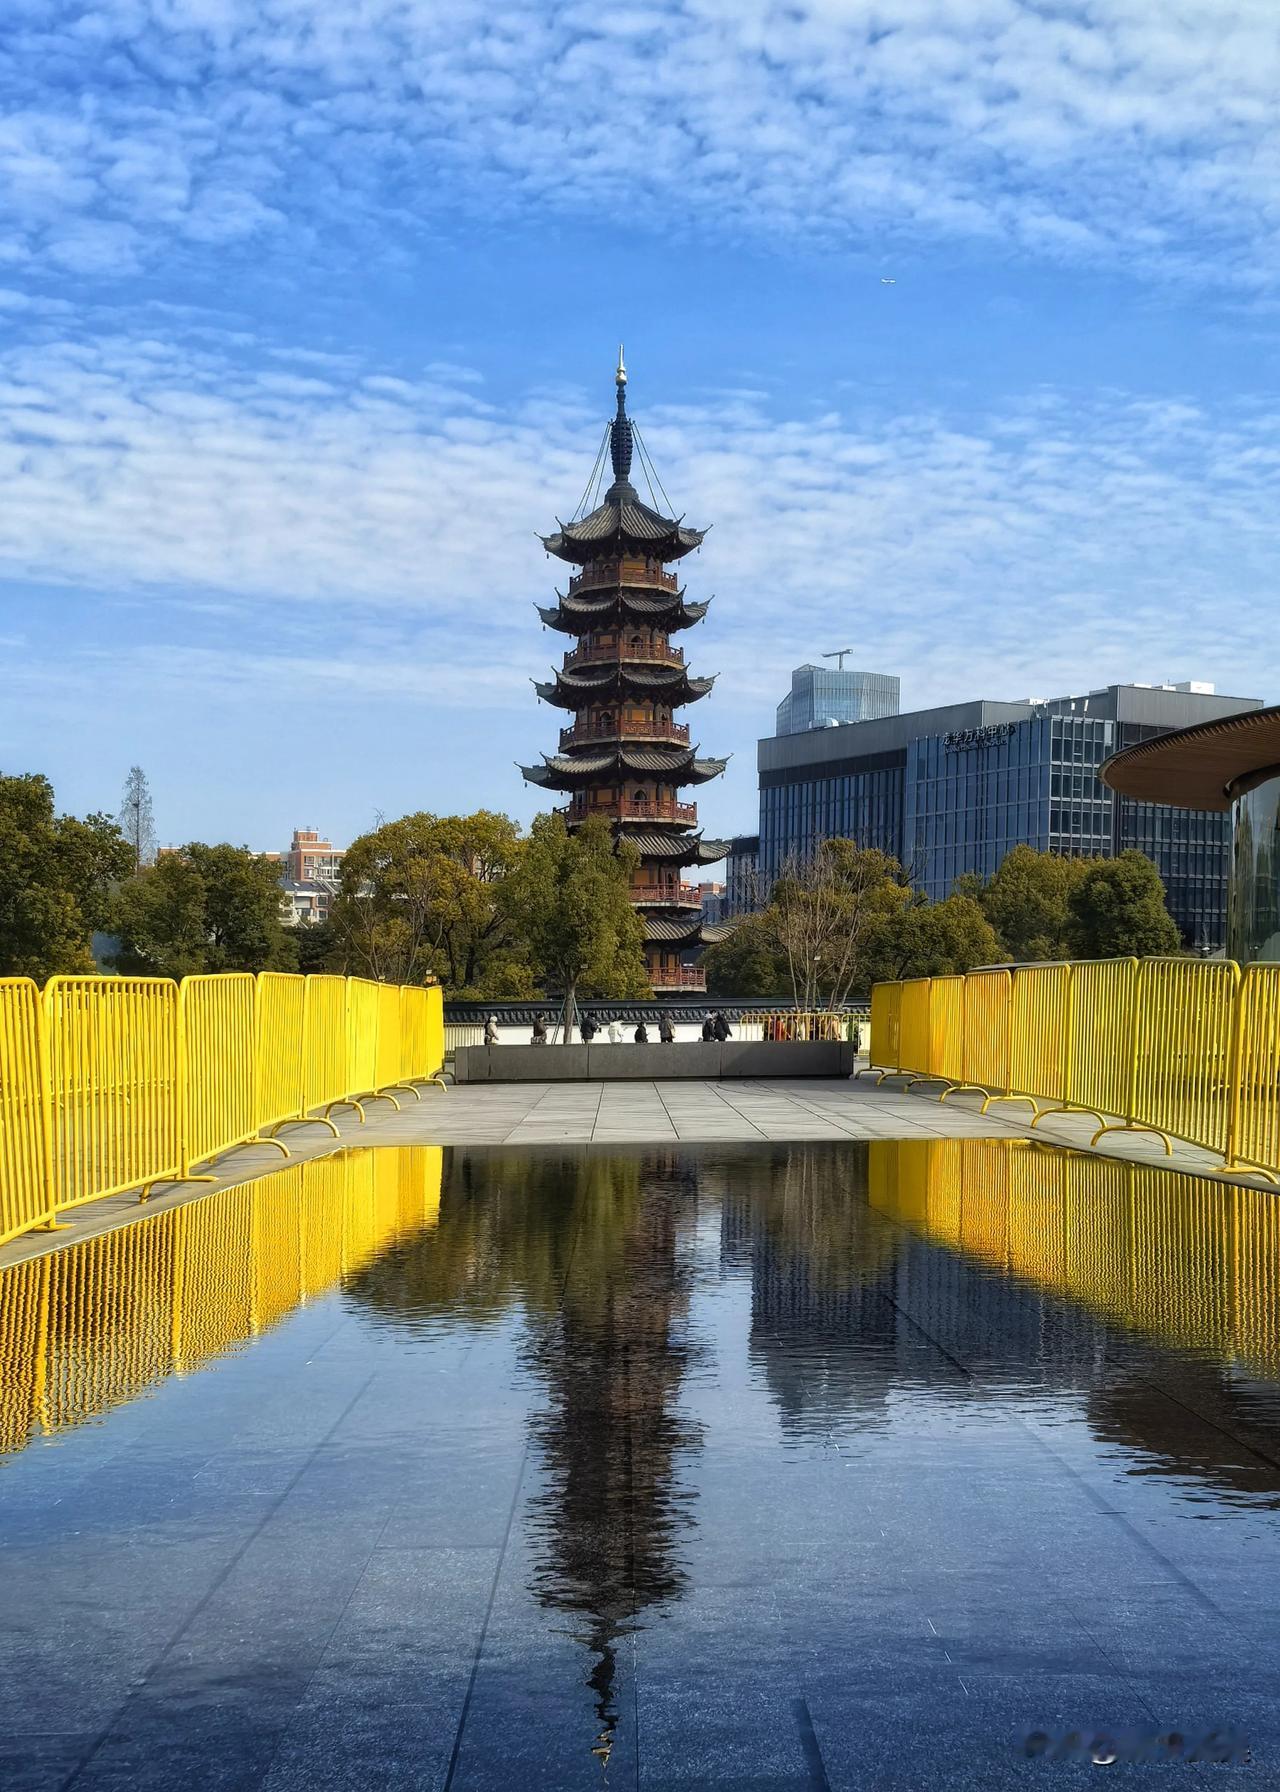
pixel 885 282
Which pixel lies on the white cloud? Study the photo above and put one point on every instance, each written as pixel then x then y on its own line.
pixel 1051 544
pixel 1139 131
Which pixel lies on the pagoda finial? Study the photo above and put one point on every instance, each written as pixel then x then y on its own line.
pixel 620 429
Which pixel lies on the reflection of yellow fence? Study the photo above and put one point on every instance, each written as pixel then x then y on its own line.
pixel 112 1083
pixel 90 1327
pixel 1167 1255
pixel 1178 1047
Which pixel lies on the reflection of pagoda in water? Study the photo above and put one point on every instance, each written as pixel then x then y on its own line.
pixel 625 756
pixel 607 1523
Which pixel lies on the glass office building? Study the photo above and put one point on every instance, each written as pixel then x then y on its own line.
pixel 950 791
pixel 824 696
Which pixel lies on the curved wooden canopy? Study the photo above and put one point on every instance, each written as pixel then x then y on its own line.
pixel 1195 768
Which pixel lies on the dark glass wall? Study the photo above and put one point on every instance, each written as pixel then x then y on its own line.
pixel 1253 930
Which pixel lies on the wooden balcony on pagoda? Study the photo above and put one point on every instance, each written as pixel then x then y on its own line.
pixel 685 976
pixel 625 728
pixel 676 895
pixel 611 574
pixel 631 650
pixel 627 808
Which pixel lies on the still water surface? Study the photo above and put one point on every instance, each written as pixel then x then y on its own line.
pixel 783 1467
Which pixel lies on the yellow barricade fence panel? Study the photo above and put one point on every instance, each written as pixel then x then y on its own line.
pixel 324 1041
pixel 946 1034
pixel 1255 1126
pixel 413 1034
pixel 114 1105
pixel 362 1036
pixel 988 997
pixel 435 1033
pixel 1101 1045
pixel 281 1092
pixel 386 1073
pixel 1185 1028
pixel 913 1028
pixel 25 1196
pixel 886 1016
pixel 1040 1031
pixel 217 1018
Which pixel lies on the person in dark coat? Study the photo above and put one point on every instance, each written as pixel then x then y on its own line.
pixel 720 1027
pixel 666 1032
pixel 588 1028
pixel 642 1034
pixel 539 1030
pixel 708 1031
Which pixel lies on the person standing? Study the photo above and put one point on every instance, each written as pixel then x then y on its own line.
pixel 615 1032
pixel 539 1030
pixel 720 1028
pixel 642 1033
pixel 708 1030
pixel 491 1030
pixel 666 1032
pixel 588 1028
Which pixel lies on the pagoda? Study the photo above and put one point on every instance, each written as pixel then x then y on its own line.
pixel 624 755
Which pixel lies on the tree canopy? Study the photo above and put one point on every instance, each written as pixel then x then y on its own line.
pixel 839 923
pixel 203 908
pixel 1117 909
pixel 1027 902
pixel 568 898
pixel 422 897
pixel 56 878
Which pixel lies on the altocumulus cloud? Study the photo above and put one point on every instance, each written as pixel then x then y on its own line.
pixel 324 510
pixel 1143 131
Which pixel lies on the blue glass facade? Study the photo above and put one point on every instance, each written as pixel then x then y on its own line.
pixel 822 695
pixel 952 791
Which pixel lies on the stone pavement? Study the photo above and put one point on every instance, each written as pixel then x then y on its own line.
pixel 636 1113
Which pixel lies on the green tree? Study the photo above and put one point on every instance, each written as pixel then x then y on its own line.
pixel 568 897
pixel 749 962
pixel 1117 908
pixel 56 877
pixel 823 913
pixel 918 938
pixel 1028 902
pixel 422 896
pixel 203 908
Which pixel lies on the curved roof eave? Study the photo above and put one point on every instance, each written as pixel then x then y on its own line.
pixel 1194 768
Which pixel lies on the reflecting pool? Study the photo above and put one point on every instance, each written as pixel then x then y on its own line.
pixel 867 1466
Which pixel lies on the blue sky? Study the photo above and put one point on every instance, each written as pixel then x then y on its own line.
pixel 307 322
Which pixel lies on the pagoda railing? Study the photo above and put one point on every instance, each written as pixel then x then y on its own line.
pixel 688 976
pixel 625 653
pixel 680 895
pixel 623 572
pixel 628 809
pixel 623 729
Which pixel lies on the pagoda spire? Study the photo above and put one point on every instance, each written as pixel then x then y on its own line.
pixel 620 436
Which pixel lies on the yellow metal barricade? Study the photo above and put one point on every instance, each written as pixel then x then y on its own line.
pixel 115 1110
pixel 886 1014
pixel 1254 1133
pixel 434 1062
pixel 1185 1015
pixel 1102 1036
pixel 1040 1031
pixel 281 1088
pixel 913 1031
pixel 946 1031
pixel 26 1198
pixel 386 1060
pixel 988 1005
pixel 362 1037
pixel 217 1043
pixel 324 1043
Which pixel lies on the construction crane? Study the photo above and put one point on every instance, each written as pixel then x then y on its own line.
pixel 839 656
